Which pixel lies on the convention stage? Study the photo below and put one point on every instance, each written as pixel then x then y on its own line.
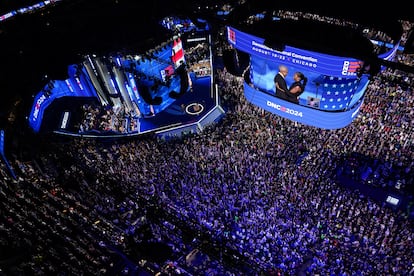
pixel 190 112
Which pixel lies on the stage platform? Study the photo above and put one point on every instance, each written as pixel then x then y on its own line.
pixel 124 95
pixel 190 112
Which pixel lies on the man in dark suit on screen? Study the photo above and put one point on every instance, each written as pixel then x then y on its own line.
pixel 280 82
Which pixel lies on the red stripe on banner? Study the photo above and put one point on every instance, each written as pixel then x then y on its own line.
pixel 177 52
pixel 178 55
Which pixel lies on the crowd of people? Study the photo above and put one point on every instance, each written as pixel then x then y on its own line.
pixel 98 118
pixel 236 187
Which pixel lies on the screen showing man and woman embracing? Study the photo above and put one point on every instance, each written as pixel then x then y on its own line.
pixel 305 87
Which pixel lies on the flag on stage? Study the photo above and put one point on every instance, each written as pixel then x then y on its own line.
pixel 177 52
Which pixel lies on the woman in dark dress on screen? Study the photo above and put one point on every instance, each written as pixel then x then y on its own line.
pixel 297 87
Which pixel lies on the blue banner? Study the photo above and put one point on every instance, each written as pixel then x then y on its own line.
pixel 299 113
pixel 2 142
pixel 41 101
pixel 3 155
pixel 302 59
pixel 389 55
pixel 75 86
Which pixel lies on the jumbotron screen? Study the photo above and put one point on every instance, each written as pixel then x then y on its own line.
pixel 333 93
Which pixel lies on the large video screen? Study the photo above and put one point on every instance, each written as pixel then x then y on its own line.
pixel 306 60
pixel 332 93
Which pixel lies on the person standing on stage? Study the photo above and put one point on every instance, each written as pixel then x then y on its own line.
pixel 280 82
pixel 297 87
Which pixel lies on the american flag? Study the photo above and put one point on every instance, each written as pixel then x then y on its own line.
pixel 177 52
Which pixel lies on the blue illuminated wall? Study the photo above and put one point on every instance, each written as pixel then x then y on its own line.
pixel 77 85
pixel 2 142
